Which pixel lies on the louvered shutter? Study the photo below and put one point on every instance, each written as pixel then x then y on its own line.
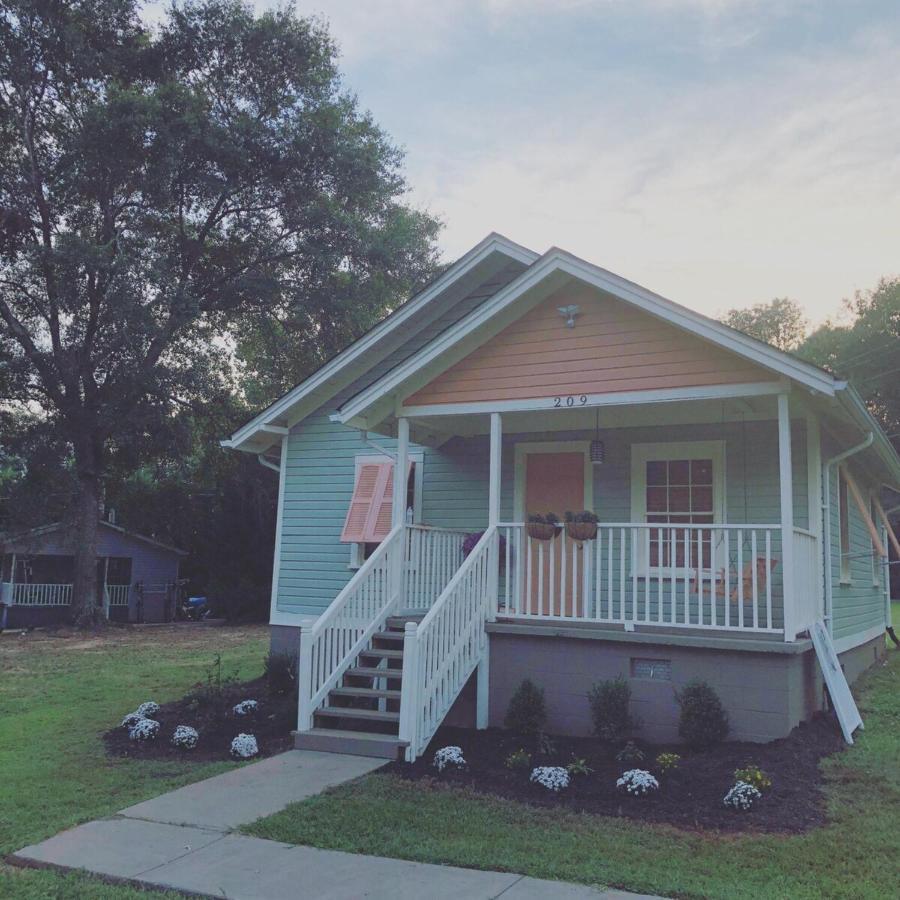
pixel 368 493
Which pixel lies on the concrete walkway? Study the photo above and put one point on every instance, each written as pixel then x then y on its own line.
pixel 183 841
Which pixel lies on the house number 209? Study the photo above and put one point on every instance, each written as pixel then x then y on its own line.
pixel 571 400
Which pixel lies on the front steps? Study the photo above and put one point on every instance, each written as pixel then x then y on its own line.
pixel 362 715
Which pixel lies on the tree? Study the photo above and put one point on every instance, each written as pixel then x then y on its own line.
pixel 162 196
pixel 780 322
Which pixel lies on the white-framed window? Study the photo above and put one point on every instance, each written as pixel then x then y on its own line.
pixel 373 498
pixel 844 529
pixel 677 484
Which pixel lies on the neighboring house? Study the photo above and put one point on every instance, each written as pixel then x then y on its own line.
pixel 518 384
pixel 136 576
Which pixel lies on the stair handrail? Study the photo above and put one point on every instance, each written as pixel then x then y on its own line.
pixel 442 651
pixel 329 646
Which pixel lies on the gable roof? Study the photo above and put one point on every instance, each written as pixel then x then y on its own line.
pixel 371 345
pixel 56 526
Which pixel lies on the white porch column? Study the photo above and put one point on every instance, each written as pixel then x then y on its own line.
pixel 494 481
pixel 401 467
pixel 787 514
pixel 483 673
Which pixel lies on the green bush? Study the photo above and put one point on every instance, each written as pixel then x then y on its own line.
pixel 519 760
pixel 755 776
pixel 527 711
pixel 609 702
pixel 703 721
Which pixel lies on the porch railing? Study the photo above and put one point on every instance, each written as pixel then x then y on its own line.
pixel 432 557
pixel 330 646
pixel 118 594
pixel 41 594
pixel 442 651
pixel 808 585
pixel 682 576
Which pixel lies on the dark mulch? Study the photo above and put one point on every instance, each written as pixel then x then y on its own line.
pixel 689 797
pixel 271 724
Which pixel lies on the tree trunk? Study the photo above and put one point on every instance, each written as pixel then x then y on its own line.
pixel 86 610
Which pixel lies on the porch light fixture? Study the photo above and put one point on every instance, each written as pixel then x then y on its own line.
pixel 568 313
pixel 598 449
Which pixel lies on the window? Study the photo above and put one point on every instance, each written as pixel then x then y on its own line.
pixel 676 485
pixel 844 519
pixel 652 669
pixel 368 519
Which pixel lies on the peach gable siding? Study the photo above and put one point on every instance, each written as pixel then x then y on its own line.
pixel 612 348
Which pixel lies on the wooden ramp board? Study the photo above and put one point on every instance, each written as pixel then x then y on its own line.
pixel 836 682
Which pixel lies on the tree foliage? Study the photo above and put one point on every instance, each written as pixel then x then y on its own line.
pixel 168 198
pixel 780 322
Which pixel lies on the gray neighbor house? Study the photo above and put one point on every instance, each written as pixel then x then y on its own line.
pixel 136 575
pixel 741 493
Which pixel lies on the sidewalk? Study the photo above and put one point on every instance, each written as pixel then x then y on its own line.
pixel 182 841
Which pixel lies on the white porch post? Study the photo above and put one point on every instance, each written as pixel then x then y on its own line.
pixel 483 677
pixel 401 467
pixel 787 514
pixel 494 482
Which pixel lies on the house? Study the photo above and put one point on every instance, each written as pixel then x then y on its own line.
pixel 136 576
pixel 738 489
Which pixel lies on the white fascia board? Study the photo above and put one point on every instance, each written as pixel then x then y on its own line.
pixel 556 260
pixel 364 345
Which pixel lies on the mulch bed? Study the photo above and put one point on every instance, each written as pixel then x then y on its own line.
pixel 689 797
pixel 271 724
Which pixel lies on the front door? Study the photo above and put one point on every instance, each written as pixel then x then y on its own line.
pixel 554 482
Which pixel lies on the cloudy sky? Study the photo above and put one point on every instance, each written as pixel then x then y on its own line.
pixel 720 152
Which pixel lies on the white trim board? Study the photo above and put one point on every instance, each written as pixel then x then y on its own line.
pixel 852 641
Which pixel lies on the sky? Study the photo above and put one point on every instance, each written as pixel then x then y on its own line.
pixel 719 152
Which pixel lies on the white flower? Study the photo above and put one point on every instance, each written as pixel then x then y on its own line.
pixel 449 756
pixel 132 719
pixel 637 782
pixel 554 778
pixel 244 746
pixel 147 709
pixel 186 737
pixel 144 730
pixel 245 707
pixel 742 796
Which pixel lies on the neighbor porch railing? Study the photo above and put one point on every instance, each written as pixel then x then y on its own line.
pixel 723 577
pixel 118 594
pixel 41 594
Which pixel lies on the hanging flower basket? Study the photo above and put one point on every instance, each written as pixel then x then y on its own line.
pixel 581 526
pixel 543 527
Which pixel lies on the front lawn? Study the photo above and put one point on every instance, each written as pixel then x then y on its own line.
pixel 58 693
pixel 854 855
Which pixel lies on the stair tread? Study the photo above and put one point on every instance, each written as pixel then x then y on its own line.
pixel 360 735
pixel 380 651
pixel 349 712
pixel 389 635
pixel 369 672
pixel 365 692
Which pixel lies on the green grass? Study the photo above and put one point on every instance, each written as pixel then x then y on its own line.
pixel 855 855
pixel 57 695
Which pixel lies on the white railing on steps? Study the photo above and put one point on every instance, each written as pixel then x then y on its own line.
pixel 432 557
pixel 443 650
pixel 332 643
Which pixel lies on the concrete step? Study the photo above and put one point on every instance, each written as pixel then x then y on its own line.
pixel 349 712
pixel 370 672
pixel 357 743
pixel 383 653
pixel 374 693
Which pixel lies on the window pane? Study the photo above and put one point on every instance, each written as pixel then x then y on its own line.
pixel 657 500
pixel 656 472
pixel 701 498
pixel 701 471
pixel 680 471
pixel 680 499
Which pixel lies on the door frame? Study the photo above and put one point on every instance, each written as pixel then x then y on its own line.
pixel 524 448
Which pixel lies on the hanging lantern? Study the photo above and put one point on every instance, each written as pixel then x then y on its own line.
pixel 598 449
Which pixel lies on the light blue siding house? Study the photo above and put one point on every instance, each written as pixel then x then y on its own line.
pixel 739 494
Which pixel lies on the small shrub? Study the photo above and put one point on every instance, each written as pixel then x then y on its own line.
pixel 666 762
pixel 578 767
pixel 630 753
pixel 132 719
pixel 527 711
pixel 244 746
pixel 211 695
pixel 609 702
pixel 185 737
pixel 741 796
pixel 281 673
pixel 637 783
pixel 144 730
pixel 148 709
pixel 245 708
pixel 518 760
pixel 554 778
pixel 702 721
pixel 546 746
pixel 755 776
pixel 449 756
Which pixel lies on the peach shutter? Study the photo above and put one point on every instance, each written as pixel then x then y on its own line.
pixel 369 516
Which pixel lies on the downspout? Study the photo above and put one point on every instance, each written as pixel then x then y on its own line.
pixel 826 517
pixel 265 461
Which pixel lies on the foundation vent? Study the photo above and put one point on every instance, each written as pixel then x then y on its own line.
pixel 651 669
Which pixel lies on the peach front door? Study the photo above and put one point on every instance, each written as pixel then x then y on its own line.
pixel 554 482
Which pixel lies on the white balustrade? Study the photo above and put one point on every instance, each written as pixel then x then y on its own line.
pixel 118 594
pixel 432 557
pixel 42 594
pixel 808 585
pixel 682 576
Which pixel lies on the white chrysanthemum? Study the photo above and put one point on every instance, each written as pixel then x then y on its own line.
pixel 245 707
pixel 554 778
pixel 148 709
pixel 185 737
pixel 144 730
pixel 132 719
pixel 637 782
pixel 742 796
pixel 244 746
pixel 449 756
